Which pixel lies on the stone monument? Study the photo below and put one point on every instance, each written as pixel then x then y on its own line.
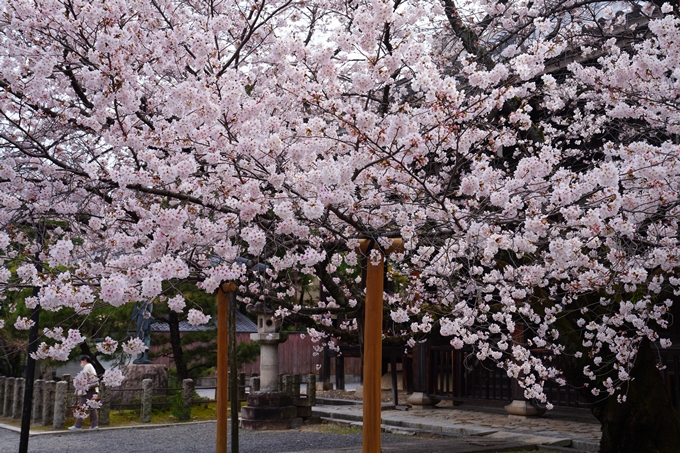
pixel 269 408
pixel 141 368
pixel 134 377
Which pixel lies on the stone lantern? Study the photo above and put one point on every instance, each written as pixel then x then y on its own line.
pixel 269 337
pixel 269 408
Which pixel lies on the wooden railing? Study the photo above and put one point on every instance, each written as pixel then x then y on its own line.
pixel 457 374
pixel 670 361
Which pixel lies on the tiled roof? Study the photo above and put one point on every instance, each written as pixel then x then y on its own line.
pixel 243 324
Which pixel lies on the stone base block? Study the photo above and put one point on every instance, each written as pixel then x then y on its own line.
pixel 419 400
pixel 270 410
pixel 524 408
pixel 257 425
pixel 386 381
pixel 269 399
pixel 268 413
pixel 304 411
pixel 313 420
pixel 322 386
pixel 301 401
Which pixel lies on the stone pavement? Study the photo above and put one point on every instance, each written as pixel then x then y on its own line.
pixel 560 429
pixel 443 429
pixel 200 438
pixel 449 445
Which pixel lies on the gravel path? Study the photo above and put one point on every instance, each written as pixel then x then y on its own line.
pixel 196 438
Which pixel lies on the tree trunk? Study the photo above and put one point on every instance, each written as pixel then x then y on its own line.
pixel 176 343
pixel 646 422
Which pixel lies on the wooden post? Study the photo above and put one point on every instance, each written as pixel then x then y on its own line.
pixel 393 367
pixel 340 364
pixel 233 374
pixel 373 355
pixel 222 365
pixel 375 271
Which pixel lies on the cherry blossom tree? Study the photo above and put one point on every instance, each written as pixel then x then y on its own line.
pixel 526 153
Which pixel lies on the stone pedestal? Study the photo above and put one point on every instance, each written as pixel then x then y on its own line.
pixel 419 400
pixel 304 408
pixel 269 411
pixel 524 408
pixel 520 406
pixel 323 386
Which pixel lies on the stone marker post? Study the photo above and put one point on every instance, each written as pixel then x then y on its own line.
pixel 288 384
pixel 105 410
pixel 18 400
pixel 296 385
pixel 48 403
pixel 188 386
pixel 59 414
pixel 9 397
pixel 242 386
pixel 66 378
pixel 254 384
pixel 38 388
pixel 311 389
pixel 2 395
pixel 147 398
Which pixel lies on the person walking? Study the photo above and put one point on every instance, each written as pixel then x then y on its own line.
pixel 92 393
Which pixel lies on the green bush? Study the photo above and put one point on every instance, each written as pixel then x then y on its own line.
pixel 177 408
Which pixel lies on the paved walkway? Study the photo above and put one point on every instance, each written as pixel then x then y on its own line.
pixel 575 429
pixel 200 438
pixel 445 429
